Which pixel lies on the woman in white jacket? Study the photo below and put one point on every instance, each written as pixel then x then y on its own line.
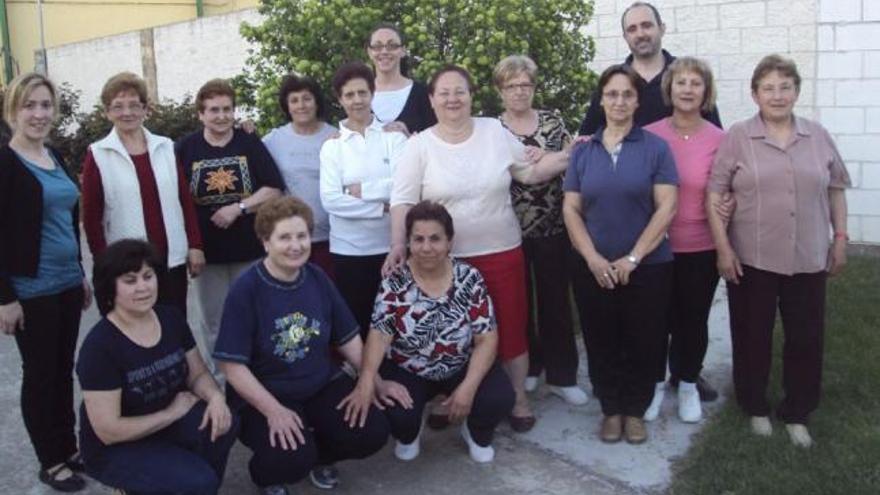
pixel 132 188
pixel 356 170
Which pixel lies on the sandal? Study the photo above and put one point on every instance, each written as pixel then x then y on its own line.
pixel 54 477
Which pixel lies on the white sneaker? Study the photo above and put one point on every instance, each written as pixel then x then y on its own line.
pixel 408 451
pixel 799 435
pixel 654 409
pixel 531 383
pixel 573 394
pixel 761 426
pixel 478 453
pixel 689 408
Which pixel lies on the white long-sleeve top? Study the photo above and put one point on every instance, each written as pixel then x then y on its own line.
pixel 359 226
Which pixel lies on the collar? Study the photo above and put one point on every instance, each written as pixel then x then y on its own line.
pixel 345 133
pixel 667 59
pixel 112 142
pixel 757 129
pixel 635 134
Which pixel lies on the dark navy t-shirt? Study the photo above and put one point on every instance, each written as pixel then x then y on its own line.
pixel 149 377
pixel 219 176
pixel 617 201
pixel 283 330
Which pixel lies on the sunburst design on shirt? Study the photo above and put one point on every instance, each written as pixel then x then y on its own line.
pixel 221 180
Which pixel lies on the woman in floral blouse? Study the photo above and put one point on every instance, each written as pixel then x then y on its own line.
pixel 545 243
pixel 434 318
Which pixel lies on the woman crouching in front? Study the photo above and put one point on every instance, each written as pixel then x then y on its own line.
pixel 279 320
pixel 153 419
pixel 435 319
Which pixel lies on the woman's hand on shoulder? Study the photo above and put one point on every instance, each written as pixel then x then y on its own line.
pixel 217 414
pixel 395 259
pixel 11 318
pixel 396 126
pixel 285 429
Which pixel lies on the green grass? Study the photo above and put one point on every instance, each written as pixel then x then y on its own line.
pixel 845 459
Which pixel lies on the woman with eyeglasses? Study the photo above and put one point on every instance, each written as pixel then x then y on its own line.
pixel 620 197
pixel 132 188
pixel 545 244
pixel 399 102
pixel 466 164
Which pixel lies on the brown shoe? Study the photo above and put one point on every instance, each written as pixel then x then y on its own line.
pixel 635 430
pixel 521 424
pixel 612 429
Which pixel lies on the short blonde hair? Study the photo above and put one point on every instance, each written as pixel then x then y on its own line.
pixel 512 66
pixel 697 66
pixel 20 89
pixel 121 83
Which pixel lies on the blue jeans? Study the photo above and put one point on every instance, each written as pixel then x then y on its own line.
pixel 179 460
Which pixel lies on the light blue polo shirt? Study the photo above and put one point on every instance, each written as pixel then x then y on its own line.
pixel 617 200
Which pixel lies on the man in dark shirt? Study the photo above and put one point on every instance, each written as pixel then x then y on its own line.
pixel 643 31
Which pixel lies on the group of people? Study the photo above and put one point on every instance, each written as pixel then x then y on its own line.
pixel 350 276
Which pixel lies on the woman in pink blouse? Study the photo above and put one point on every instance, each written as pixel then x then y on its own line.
pixel 687 86
pixel 787 235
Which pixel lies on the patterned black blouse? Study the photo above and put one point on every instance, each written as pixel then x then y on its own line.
pixel 539 206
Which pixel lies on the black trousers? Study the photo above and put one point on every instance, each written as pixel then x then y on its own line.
pixel 753 303
pixel 179 459
pixel 624 330
pixel 172 288
pixel 493 401
pixel 358 279
pixel 581 280
pixel 328 437
pixel 550 332
pixel 694 279
pixel 47 344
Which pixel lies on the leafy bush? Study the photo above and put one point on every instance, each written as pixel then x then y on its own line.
pixel 314 37
pixel 74 131
pixel 169 118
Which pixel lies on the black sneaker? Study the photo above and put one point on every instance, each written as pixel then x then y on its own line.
pixel 707 393
pixel 324 477
pixel 55 478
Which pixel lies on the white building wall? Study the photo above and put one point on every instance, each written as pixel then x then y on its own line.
pixel 836 44
pixel 87 65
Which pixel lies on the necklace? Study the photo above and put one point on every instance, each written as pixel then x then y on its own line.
pixel 685 132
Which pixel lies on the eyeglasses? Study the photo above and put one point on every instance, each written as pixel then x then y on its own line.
pixel 446 95
pixel 512 88
pixel 132 107
pixel 390 46
pixel 614 95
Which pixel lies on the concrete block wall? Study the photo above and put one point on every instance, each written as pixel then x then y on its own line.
pixel 848 101
pixel 836 44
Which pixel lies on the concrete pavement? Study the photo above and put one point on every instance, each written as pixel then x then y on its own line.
pixel 562 455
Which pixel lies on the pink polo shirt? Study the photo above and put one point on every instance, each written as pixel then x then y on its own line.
pixel 689 231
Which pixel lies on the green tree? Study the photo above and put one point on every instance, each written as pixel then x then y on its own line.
pixel 314 37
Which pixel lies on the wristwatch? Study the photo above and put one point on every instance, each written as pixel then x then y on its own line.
pixel 242 207
pixel 632 259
